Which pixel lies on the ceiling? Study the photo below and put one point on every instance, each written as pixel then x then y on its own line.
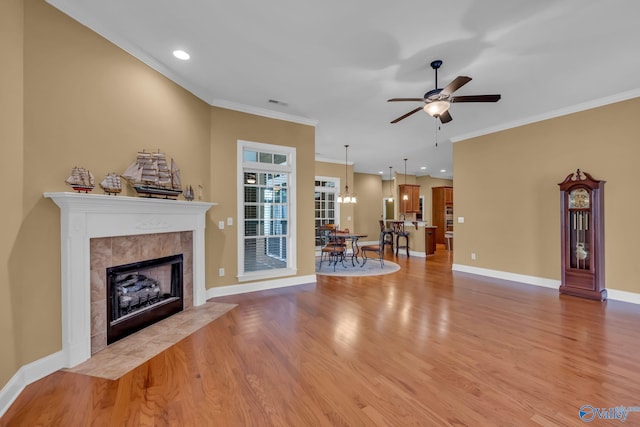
pixel 335 63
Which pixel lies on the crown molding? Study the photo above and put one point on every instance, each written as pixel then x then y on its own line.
pixel 551 114
pixel 262 112
pixel 327 160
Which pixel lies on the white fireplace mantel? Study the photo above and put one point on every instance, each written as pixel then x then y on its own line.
pixel 87 216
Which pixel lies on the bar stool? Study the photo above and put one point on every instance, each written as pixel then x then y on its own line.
pixel 387 238
pixel 399 231
pixel 449 236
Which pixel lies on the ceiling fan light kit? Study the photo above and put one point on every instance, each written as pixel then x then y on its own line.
pixel 436 108
pixel 437 101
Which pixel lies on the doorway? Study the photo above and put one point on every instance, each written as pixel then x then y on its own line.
pixel 389 209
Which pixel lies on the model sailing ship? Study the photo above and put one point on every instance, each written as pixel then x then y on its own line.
pixel 151 175
pixel 81 180
pixel 111 183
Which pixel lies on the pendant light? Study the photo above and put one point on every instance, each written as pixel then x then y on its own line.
pixel 346 197
pixel 390 186
pixel 405 196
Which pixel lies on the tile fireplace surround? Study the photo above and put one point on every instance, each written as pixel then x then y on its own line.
pixel 89 216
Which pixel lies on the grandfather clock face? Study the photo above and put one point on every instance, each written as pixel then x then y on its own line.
pixel 579 198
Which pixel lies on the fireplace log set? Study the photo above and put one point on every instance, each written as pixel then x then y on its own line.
pixel 142 293
pixel 137 291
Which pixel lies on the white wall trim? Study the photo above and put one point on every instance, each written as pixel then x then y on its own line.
pixel 552 114
pixel 505 275
pixel 612 294
pixel 26 375
pixel 264 112
pixel 221 291
pixel 624 296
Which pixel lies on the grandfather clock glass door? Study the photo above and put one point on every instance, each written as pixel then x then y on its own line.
pixel 580 230
pixel 582 227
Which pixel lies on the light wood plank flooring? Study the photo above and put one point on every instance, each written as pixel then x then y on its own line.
pixel 421 347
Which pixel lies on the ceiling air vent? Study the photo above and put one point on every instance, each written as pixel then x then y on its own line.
pixel 275 101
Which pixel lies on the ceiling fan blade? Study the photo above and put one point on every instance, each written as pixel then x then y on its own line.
pixel 456 84
pixel 404 116
pixel 405 99
pixel 476 98
pixel 445 117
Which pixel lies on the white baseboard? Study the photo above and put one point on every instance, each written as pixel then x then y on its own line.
pixel 504 275
pixel 612 294
pixel 625 296
pixel 26 375
pixel 259 286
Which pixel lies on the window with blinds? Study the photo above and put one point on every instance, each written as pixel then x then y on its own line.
pixel 265 192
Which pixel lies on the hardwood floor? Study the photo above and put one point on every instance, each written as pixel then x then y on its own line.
pixel 419 347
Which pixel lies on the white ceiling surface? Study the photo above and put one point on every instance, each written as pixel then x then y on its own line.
pixel 337 62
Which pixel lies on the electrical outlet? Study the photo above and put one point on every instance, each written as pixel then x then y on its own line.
pixel 221 225
pixel 460 219
pixel 473 255
pixel 221 272
pixel 229 220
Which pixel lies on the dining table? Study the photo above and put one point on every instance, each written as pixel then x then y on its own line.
pixel 353 237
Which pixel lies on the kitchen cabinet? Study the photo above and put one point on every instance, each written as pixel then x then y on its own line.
pixel 410 203
pixel 442 211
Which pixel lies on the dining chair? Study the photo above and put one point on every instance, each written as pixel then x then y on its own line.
pixel 333 248
pixel 377 249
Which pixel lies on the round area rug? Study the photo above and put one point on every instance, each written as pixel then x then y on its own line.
pixel 371 268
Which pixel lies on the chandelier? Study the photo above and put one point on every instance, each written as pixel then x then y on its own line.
pixel 346 197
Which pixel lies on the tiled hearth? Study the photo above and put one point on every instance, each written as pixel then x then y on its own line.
pixel 87 219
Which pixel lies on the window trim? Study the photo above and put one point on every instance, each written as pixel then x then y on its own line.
pixel 290 168
pixel 336 191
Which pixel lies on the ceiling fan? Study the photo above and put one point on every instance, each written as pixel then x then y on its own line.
pixel 437 101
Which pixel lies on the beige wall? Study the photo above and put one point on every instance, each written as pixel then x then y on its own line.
pixel 11 173
pixel 506 188
pixel 70 97
pixel 368 210
pixel 86 103
pixel 227 127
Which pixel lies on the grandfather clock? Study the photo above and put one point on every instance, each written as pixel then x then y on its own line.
pixel 582 227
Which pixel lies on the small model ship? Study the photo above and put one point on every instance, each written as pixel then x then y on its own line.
pixel 150 175
pixel 111 183
pixel 81 180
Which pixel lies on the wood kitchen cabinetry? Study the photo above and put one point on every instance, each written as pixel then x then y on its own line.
pixel 412 202
pixel 430 240
pixel 442 211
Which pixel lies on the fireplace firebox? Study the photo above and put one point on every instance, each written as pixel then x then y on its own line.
pixel 142 293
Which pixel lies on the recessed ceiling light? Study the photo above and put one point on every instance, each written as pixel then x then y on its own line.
pixel 423 168
pixel 181 54
pixel 443 170
pixel 380 172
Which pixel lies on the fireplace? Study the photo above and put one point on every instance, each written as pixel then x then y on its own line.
pixel 142 293
pixel 121 230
